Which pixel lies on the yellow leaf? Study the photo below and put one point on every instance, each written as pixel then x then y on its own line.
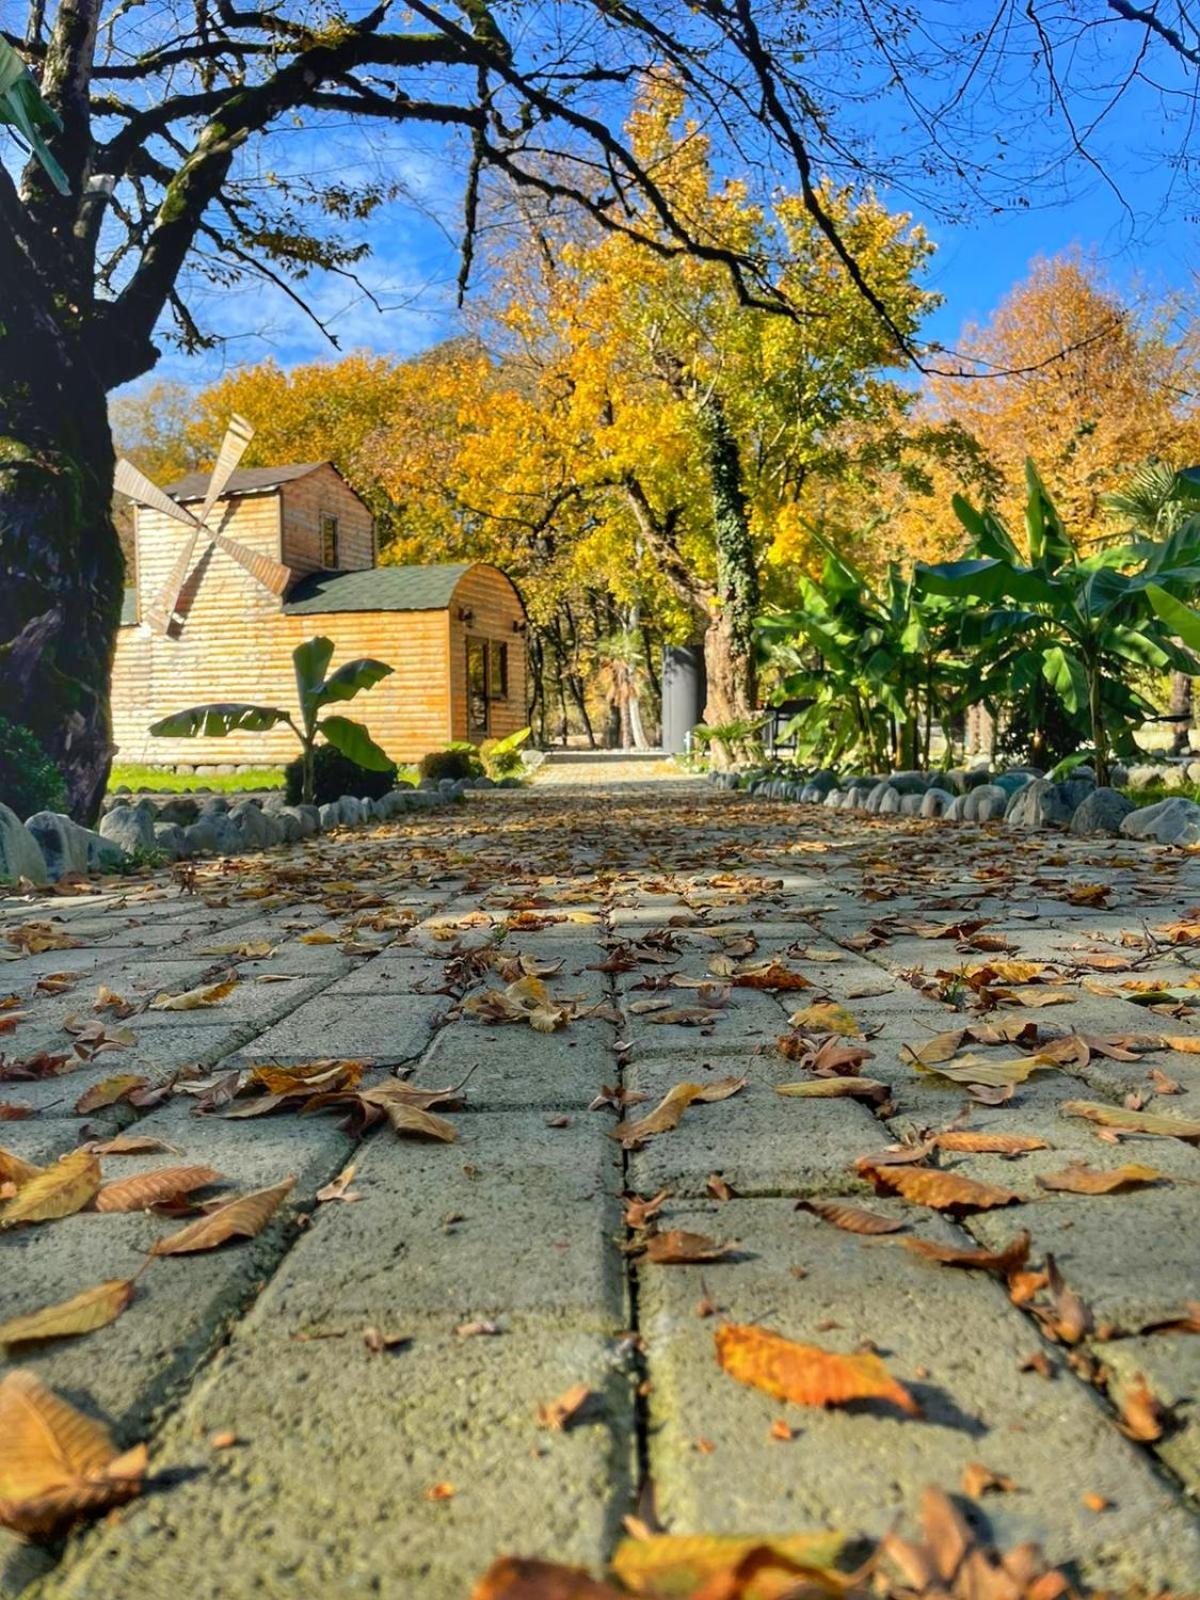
pixel 57 1465
pixel 804 1373
pixel 57 1191
pixel 826 1018
pixel 210 994
pixel 671 1107
pixel 996 1074
pixel 93 1308
pixel 672 1566
pixel 242 1218
pixel 1158 1124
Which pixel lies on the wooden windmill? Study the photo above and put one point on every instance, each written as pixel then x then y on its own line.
pixel 161 612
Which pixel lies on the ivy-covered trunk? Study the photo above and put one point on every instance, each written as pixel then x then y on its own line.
pixel 61 568
pixel 729 638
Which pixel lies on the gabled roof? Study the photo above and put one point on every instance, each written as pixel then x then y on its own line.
pixel 376 589
pixel 246 480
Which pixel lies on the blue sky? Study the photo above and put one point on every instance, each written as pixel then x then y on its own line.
pixel 1133 210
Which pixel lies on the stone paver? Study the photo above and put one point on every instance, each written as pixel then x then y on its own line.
pixel 499 1261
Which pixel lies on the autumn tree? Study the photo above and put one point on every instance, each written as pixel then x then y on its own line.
pixel 1080 379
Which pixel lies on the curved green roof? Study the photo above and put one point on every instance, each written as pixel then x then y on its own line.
pixel 376 589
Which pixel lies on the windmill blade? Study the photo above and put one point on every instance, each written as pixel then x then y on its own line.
pixel 233 446
pixel 129 481
pixel 159 613
pixel 271 574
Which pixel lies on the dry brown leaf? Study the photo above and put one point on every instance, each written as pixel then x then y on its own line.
pixel 209 994
pixel 942 1191
pixel 978 1480
pixel 1006 1261
pixel 1157 1124
pixel 868 1089
pixel 57 1465
pixel 638 1212
pixel 851 1219
pixel 679 1564
pixel 410 1122
pixel 559 1414
pixel 826 1018
pixel 677 1247
pixel 768 975
pixel 671 1107
pixel 1079 1178
pixel 968 1141
pixel 146 1189
pixel 339 1188
pixel 109 1093
pixel 993 1074
pixel 1143 1415
pixel 82 1313
pixel 242 1218
pixel 15 1170
pixel 1069 1318
pixel 130 1144
pixel 56 1191
pixel 806 1374
pixel 517 1578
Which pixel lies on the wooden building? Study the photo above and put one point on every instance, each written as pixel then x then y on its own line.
pixel 305 564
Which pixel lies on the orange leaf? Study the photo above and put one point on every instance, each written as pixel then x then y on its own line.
pixel 243 1218
pixel 513 1578
pixel 851 1219
pixel 804 1373
pixel 1079 1178
pixel 1003 1144
pixel 942 1191
pixel 1013 1256
pixel 146 1189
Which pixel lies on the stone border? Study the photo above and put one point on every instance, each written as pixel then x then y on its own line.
pixel 1021 798
pixel 48 845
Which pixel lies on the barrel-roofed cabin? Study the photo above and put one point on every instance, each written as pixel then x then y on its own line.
pixel 455 633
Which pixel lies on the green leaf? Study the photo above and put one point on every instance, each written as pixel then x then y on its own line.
pixel 1048 542
pixel 215 721
pixel 1065 674
pixel 347 681
pixel 1181 619
pixel 353 740
pixel 311 661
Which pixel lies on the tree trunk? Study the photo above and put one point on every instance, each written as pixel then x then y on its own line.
pixel 1181 706
pixel 729 638
pixel 61 568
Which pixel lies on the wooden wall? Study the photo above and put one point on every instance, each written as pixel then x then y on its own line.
pixel 305 500
pixel 496 607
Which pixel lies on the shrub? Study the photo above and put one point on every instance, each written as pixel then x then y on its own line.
pixel 335 775
pixel 502 757
pixel 29 780
pixel 456 761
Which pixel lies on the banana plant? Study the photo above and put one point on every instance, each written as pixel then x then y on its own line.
pixel 1079 624
pixel 316 691
pixel 875 664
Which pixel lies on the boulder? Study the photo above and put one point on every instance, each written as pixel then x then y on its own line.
pixel 62 842
pixel 889 802
pixel 275 801
pixel 181 808
pixel 213 804
pixel 833 799
pixel 956 810
pixel 20 855
pixel 350 811
pixel 984 803
pixel 252 826
pixel 170 838
pixel 1102 811
pixel 1039 804
pixel 1174 821
pixel 1012 782
pixel 1175 776
pixel 427 784
pixel 307 819
pixel 823 781
pixel 131 828
pixel 874 800
pixel 202 837
pixel 909 782
pixel 1193 771
pixel 910 805
pixel 975 778
pixel 485 782
pixel 935 802
pixel 330 814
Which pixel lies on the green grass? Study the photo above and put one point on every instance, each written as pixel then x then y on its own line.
pixel 1157 792
pixel 139 777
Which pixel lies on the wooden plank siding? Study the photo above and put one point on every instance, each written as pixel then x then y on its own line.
pixel 235 642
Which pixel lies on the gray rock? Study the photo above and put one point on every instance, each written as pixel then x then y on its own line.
pixel 63 843
pixel 823 781
pixel 1012 782
pixel 1174 821
pixel 485 782
pixel 131 828
pixel 253 828
pixel 935 802
pixel 213 804
pixel 307 819
pixel 170 838
pixel 1102 811
pixel 910 805
pixel 20 854
pixel 330 814
pixel 275 801
pixel 202 837
pixel 874 800
pixel 1039 804
pixel 446 784
pixel 976 777
pixel 956 810
pixel 909 782
pixel 181 809
pixel 1077 787
pixel 889 802
pixel 833 799
pixel 350 811
pixel 288 825
pixel 984 803
pixel 515 783
pixel 427 784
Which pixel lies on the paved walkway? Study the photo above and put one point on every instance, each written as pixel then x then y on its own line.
pixel 379 1362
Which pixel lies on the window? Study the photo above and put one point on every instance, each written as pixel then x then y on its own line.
pixel 497 671
pixel 477 686
pixel 329 541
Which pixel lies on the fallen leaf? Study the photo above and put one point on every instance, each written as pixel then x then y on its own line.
pixel 942 1191
pixel 15 1170
pixel 108 1093
pixel 56 1191
pixel 1008 1260
pixel 130 1144
pixel 376 1342
pixel 209 994
pixel 768 975
pixel 1068 1318
pixel 223 1439
pixel 440 1491
pixel 679 1564
pixel 868 1089
pixel 992 1074
pixel 516 1578
pixel 1157 1124
pixel 339 1188
pixel 638 1212
pixel 82 1313
pixel 559 1414
pixel 851 1219
pixel 717 1187
pixel 1143 1416
pixel 806 1374
pixel 410 1122
pixel 1079 1178
pixel 979 1480
pixel 678 1247
pixel 967 1141
pixel 1097 1502
pixel 826 1018
pixel 57 1465
pixel 242 1218
pixel 146 1189
pixel 671 1107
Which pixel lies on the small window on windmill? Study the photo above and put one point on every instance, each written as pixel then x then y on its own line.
pixel 329 541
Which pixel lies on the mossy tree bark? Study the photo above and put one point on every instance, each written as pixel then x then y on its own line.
pixel 729 638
